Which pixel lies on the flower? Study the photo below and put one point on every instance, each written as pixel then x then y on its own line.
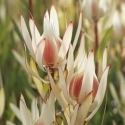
pixel 81 91
pixel 118 23
pixel 44 117
pixel 94 9
pixel 47 49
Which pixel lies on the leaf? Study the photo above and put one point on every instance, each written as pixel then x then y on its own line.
pixel 2 97
pixel 4 29
pixel 37 82
pixel 20 59
pixel 104 42
pixel 17 30
pixel 2 101
pixel 83 110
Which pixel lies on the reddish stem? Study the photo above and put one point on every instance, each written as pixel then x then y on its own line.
pixel 30 8
pixel 0 121
pixel 96 43
pixel 51 71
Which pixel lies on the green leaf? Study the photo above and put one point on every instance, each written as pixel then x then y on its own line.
pixel 104 43
pixel 17 30
pixel 4 29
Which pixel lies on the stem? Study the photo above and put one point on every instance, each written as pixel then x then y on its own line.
pixel 51 71
pixel 30 8
pixel 0 121
pixel 96 42
pixel 121 60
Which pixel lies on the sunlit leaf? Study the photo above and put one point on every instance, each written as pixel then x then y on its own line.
pixel 38 83
pixel 2 97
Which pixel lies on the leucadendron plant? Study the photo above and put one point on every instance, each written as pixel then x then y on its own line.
pixel 76 87
pixel 81 91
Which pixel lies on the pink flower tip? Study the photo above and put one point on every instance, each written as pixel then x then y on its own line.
pixel 53 5
pixel 21 15
pixel 46 10
pixel 92 51
pixel 81 12
pixel 108 65
pixel 30 15
pixel 83 32
pixel 106 68
pixel 65 9
pixel 30 18
pixel 70 22
pixel 22 101
pixel 20 94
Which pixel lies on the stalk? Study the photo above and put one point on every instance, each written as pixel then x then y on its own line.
pixel 30 8
pixel 121 59
pixel 96 42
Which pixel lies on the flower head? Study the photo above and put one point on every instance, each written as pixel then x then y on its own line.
pixel 36 117
pixel 94 9
pixel 118 23
pixel 47 49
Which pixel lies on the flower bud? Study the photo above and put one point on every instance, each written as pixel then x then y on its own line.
pixel 76 85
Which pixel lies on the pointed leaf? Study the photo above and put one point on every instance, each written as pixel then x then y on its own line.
pixel 26 36
pixel 114 93
pixel 31 71
pixel 83 110
pixel 63 85
pixel 74 115
pixel 16 111
pixel 2 97
pixel 19 59
pixel 104 60
pixel 48 107
pixel 122 87
pixel 81 50
pixel 35 111
pixel 38 83
pixel 65 43
pixel 100 93
pixel 39 54
pixel 87 83
pixel 9 123
pixel 104 42
pixel 24 112
pixel 78 31
pixel 17 30
pixel 53 15
pixel 2 101
pixel 56 92
pixel 34 31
